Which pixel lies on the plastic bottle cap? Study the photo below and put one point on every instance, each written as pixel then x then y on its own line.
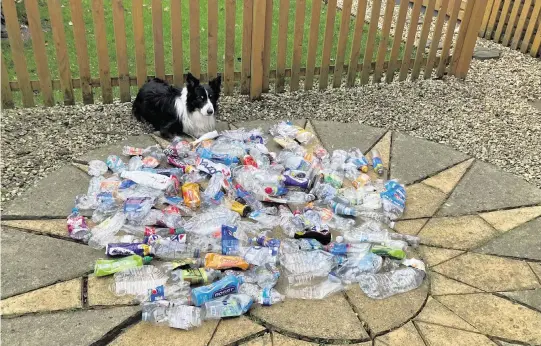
pixel 147 259
pixel 268 190
pixel 339 239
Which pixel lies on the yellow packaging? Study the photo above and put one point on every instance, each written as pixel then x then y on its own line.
pixel 361 180
pixel 191 195
pixel 216 261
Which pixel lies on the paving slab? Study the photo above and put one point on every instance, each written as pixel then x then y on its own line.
pixel 422 201
pixel 413 159
pixel 100 294
pixel 282 340
pixel 304 317
pixel 435 255
pixel 489 273
pixel 385 314
pixel 30 261
pixel 234 329
pixel 445 336
pixel 496 316
pixel 460 233
pixel 265 125
pixel 531 297
pixel 334 135
pixel 265 340
pixel 441 285
pixel 52 197
pixel 140 141
pixel 536 267
pixel 60 296
pixel 436 313
pixel 56 227
pixel 523 242
pixel 405 335
pixel 144 333
pixel 485 188
pixel 411 227
pixel 75 328
pixel 447 180
pixel 505 220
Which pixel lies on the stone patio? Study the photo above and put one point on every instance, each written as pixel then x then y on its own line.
pixel 480 230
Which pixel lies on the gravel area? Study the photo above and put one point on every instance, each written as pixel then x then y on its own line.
pixel 490 116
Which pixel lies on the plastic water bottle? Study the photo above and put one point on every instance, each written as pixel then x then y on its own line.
pixel 377 163
pixel 370 232
pixel 384 285
pixel 299 197
pixel 319 291
pixel 172 315
pixel 289 224
pixel 264 296
pixel 301 262
pixel 229 306
pixel 138 281
pixel 104 233
pixel 179 292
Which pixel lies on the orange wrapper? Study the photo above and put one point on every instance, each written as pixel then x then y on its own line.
pixel 216 261
pixel 191 195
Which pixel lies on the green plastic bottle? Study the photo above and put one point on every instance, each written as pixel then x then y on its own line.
pixel 388 252
pixel 104 267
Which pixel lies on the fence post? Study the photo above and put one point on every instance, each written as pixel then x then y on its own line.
pixel 258 47
pixel 467 36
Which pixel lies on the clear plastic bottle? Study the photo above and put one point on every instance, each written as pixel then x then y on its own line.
pixel 229 306
pixel 319 291
pixel 299 197
pixel 104 233
pixel 263 296
pixel 248 197
pixel 289 225
pixel 77 227
pixel 302 262
pixel 138 281
pixel 370 232
pixel 384 285
pixel 262 160
pixel 172 315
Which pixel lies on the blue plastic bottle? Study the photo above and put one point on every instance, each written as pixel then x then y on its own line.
pixel 227 285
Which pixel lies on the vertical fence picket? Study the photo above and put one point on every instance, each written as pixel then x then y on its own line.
pixel 356 43
pixel 247 17
pixel 436 37
pixel 282 45
pixel 419 55
pixel 139 38
pixel 412 32
pixel 492 20
pixel 40 55
pixel 79 35
pixel 465 45
pixel 195 38
pixel 119 25
pixel 382 50
pixel 502 20
pixel 536 43
pixel 176 42
pixel 62 58
pixel 397 42
pixel 258 46
pixel 486 17
pixel 157 35
pixel 342 41
pixel 229 66
pixel 521 23
pixel 511 23
pixel 531 26
pixel 103 54
pixel 7 97
pixel 300 12
pixel 267 46
pixel 212 43
pixel 312 45
pixel 370 42
pixel 451 24
pixel 327 45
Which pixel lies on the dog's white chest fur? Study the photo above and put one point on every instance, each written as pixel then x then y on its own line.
pixel 194 124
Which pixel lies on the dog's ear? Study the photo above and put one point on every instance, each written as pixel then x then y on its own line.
pixel 215 84
pixel 191 81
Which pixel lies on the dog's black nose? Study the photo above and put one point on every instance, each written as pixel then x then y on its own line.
pixel 210 111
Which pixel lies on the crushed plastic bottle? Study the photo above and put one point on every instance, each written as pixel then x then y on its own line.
pixel 77 227
pixel 172 315
pixel 229 306
pixel 264 296
pixel 138 281
pixel 384 285
pixel 318 291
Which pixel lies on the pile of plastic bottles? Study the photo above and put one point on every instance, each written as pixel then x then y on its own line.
pixel 205 229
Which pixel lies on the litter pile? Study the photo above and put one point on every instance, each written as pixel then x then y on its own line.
pixel 215 218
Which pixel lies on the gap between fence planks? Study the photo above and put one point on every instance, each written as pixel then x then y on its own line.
pixel 103 54
pixel 195 39
pixel 7 97
pixel 282 44
pixel 229 65
pixel 436 37
pixel 529 31
pixel 17 52
pixel 501 22
pixel 486 17
pixel 327 45
pixel 451 25
pixel 212 42
pixel 312 45
pixel 176 42
pixel 382 50
pixel 521 23
pixel 356 43
pixel 79 35
pixel 492 19
pixel 40 54
pixel 119 25
pixel 300 12
pixel 139 38
pixel 511 23
pixel 157 35
pixel 421 45
pixel 267 45
pixel 342 41
pixel 247 17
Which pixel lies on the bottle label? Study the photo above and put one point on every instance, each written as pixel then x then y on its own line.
pixel 266 297
pixel 195 276
pixel 157 293
pixel 230 244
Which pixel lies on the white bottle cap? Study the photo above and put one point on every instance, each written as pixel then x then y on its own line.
pixel 339 239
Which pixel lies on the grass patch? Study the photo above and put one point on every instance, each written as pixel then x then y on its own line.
pixel 147 16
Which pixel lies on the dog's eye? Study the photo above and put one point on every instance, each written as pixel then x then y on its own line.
pixel 202 97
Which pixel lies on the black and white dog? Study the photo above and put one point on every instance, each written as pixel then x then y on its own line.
pixel 173 111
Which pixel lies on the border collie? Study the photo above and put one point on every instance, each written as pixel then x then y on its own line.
pixel 173 111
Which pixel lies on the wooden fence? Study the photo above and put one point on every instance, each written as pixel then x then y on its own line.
pixel 514 23
pixel 350 50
